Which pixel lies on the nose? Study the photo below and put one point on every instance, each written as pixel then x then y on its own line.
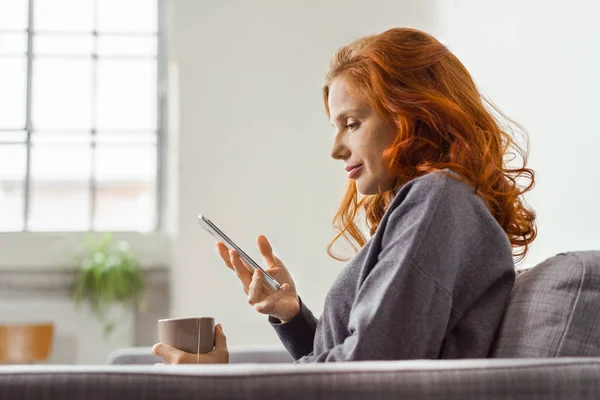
pixel 339 150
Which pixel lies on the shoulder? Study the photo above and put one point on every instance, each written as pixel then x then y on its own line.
pixel 438 182
pixel 439 200
pixel 434 190
pixel 438 219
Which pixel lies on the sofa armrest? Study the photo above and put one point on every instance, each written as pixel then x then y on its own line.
pixel 495 379
pixel 237 355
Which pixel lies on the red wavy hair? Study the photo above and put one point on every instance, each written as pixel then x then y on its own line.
pixel 411 78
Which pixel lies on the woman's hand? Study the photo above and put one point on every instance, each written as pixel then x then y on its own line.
pixel 219 355
pixel 282 304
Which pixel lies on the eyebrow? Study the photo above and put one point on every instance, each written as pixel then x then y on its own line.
pixel 344 115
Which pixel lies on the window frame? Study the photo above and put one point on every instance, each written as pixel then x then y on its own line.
pixel 51 249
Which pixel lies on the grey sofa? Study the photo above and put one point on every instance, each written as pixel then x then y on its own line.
pixel 548 347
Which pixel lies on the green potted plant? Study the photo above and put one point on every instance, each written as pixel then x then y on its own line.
pixel 108 275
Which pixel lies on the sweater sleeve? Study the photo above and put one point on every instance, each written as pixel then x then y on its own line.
pixel 298 334
pixel 401 309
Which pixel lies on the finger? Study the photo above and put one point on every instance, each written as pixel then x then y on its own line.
pixel 266 250
pixel 255 288
pixel 169 354
pixel 246 264
pixel 267 305
pixel 224 253
pixel 240 268
pixel 220 338
pixel 285 287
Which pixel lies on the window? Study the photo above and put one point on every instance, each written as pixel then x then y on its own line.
pixel 80 120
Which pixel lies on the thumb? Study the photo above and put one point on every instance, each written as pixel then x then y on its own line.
pixel 168 353
pixel 265 249
pixel 220 338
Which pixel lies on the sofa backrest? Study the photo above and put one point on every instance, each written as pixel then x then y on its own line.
pixel 554 310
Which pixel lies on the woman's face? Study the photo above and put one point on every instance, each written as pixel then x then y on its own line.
pixel 361 136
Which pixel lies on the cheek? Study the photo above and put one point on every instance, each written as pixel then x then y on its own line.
pixel 379 144
pixel 385 138
pixel 371 156
pixel 370 144
pixel 388 134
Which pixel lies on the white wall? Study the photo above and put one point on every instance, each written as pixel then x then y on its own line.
pixel 253 142
pixel 539 62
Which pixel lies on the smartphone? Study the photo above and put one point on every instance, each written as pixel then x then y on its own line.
pixel 218 234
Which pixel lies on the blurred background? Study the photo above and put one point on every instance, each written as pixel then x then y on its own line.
pixel 134 116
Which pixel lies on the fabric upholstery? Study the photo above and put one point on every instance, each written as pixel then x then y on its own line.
pixel 547 379
pixel 554 310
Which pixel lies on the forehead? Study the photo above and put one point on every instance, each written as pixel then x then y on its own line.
pixel 342 99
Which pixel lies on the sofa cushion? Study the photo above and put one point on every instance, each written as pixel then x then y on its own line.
pixel 554 310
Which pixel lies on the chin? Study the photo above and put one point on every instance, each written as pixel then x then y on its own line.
pixel 366 188
pixel 369 187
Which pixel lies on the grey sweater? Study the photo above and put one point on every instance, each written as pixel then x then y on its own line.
pixel 432 282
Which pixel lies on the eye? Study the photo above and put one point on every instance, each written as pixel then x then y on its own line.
pixel 352 126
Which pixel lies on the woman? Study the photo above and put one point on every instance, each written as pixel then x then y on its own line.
pixel 444 211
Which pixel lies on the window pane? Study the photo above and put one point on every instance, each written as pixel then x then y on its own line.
pixel 13 137
pixel 13 80
pixel 127 16
pixel 126 95
pixel 12 161
pixel 127 45
pixel 60 161
pixel 64 15
pixel 13 43
pixel 125 176
pixel 60 193
pixel 63 45
pixel 12 177
pixel 122 163
pixel 62 94
pixel 13 14
pixel 124 206
pixel 58 206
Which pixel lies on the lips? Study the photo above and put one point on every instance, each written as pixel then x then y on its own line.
pixel 353 170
